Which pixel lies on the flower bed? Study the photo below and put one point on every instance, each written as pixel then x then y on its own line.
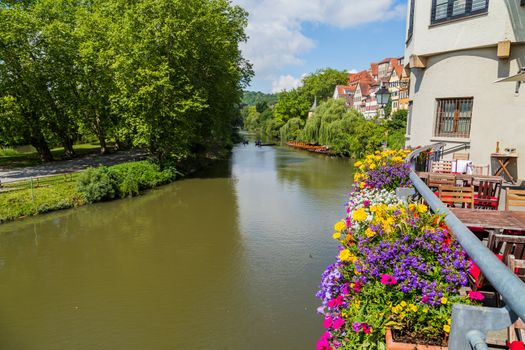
pixel 398 267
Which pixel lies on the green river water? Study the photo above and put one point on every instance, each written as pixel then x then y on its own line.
pixel 228 259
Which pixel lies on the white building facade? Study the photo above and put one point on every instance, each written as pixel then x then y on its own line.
pixel 456 51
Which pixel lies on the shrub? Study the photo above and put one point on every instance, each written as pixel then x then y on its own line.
pixel 98 184
pixel 123 180
pixel 138 176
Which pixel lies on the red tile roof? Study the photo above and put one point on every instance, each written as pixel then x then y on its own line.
pixel 344 89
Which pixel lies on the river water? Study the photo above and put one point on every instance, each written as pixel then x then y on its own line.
pixel 228 259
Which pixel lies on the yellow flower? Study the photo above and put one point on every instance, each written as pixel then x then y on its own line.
pixel 336 235
pixel 413 308
pixel 444 300
pixel 446 328
pixel 369 233
pixel 358 164
pixel 345 255
pixel 362 185
pixel 373 208
pixel 340 226
pixel 360 215
pixel 403 303
pixel 425 310
pixel 421 208
pixel 449 321
pixel 412 206
pixel 372 166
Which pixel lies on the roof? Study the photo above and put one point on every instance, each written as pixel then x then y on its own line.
pixel 374 68
pixel 344 89
pixel 363 75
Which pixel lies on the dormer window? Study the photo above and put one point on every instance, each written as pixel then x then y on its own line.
pixel 449 10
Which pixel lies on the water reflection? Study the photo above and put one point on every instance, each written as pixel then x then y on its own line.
pixel 227 259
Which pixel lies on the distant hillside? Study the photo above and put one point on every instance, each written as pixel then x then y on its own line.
pixel 252 98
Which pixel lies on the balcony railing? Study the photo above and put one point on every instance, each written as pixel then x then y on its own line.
pixel 470 324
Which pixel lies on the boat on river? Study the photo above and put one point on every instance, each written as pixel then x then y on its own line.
pixel 310 148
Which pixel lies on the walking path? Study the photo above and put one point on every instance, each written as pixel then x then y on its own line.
pixel 69 166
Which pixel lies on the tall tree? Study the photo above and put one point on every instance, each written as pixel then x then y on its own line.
pixel 321 84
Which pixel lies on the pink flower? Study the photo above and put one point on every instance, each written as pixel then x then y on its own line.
pixel 336 302
pixel 425 299
pixel 387 279
pixel 476 296
pixel 516 345
pixel 338 323
pixel 357 287
pixel 323 344
pixel 366 328
pixel 328 322
pixel 346 289
pixel 326 336
pixel 366 203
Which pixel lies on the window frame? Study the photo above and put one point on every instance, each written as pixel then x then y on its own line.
pixel 410 30
pixel 439 120
pixel 450 8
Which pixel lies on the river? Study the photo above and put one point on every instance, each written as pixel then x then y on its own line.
pixel 228 259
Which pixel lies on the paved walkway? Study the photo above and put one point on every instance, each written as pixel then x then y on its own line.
pixel 69 166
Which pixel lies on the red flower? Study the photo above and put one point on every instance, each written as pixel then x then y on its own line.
pixel 516 345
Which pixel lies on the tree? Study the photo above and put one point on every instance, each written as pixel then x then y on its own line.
pixel 321 84
pixel 291 104
pixel 22 86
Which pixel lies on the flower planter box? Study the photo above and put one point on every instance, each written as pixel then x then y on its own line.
pixel 393 345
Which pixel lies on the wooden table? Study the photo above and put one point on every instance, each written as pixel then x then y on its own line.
pixel 424 176
pixel 491 219
pixel 504 160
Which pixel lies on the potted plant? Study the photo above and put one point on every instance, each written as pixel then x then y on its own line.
pixel 398 270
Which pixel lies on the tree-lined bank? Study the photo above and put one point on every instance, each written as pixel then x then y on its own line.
pixel 164 75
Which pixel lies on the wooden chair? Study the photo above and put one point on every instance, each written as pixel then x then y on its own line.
pixel 488 194
pixel 460 156
pixel 480 169
pixel 441 166
pixel 518 267
pixel 514 198
pixel 503 246
pixel 436 180
pixel 452 195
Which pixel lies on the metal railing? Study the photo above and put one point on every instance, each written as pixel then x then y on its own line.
pixel 470 324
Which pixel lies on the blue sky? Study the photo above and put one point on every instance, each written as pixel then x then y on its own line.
pixel 304 36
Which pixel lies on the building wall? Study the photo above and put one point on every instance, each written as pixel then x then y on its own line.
pixel 504 20
pixel 497 113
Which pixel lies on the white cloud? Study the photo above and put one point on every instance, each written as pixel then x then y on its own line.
pixel 285 82
pixel 276 38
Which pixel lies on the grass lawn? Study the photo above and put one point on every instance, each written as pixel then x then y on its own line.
pixel 12 159
pixel 52 193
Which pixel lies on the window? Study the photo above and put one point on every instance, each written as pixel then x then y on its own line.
pixel 453 117
pixel 447 10
pixel 411 21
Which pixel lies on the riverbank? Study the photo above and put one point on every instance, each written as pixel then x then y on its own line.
pixel 30 197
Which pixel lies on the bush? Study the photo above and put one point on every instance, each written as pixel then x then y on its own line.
pixel 138 176
pixel 98 184
pixel 123 180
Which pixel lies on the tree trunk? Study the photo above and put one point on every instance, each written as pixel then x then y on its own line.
pixel 43 150
pixel 103 146
pixel 67 143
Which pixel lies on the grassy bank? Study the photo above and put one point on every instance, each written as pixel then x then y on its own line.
pixel 27 198
pixel 51 194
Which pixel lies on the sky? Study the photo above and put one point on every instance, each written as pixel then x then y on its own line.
pixel 291 38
